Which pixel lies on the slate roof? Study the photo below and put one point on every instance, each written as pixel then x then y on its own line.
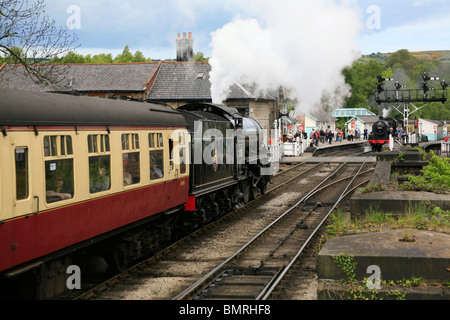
pixel 367 119
pixel 165 80
pixel 181 81
pixel 129 77
pixel 250 91
pixel 190 81
pixel 320 115
pixel 436 122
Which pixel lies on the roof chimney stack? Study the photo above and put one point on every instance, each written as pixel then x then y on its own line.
pixel 185 48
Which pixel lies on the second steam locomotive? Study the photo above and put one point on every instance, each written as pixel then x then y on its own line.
pixel 381 132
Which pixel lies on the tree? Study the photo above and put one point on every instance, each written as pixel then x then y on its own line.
pixel 102 58
pixel 436 111
pixel 70 57
pixel 200 56
pixel 402 59
pixel 29 37
pixel 139 57
pixel 362 77
pixel 125 56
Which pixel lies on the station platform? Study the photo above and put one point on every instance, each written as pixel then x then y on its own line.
pixel 397 255
pixel 324 153
pixel 400 255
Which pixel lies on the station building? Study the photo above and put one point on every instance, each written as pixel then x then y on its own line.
pixel 361 123
pixel 316 119
pixel 434 130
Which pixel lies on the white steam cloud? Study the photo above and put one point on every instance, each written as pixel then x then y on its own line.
pixel 300 45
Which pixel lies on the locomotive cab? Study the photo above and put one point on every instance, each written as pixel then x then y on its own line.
pixel 226 159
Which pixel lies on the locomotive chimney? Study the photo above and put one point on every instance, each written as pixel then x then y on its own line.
pixel 185 48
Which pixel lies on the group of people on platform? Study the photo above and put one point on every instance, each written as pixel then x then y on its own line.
pixel 297 137
pixel 323 136
pixel 337 135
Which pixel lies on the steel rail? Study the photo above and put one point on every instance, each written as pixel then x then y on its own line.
pixel 126 273
pixel 213 273
pixel 295 177
pixel 268 291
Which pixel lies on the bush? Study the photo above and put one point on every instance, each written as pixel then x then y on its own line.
pixel 435 176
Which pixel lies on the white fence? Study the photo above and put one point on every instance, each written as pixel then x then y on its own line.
pixel 411 138
pixel 445 148
pixel 294 149
pixel 278 149
pixel 275 149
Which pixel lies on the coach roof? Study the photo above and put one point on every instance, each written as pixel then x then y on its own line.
pixel 21 107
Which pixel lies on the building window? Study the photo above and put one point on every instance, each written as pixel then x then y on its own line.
pixel 59 170
pixel 130 159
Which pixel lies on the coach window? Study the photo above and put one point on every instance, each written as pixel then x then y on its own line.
pixel 130 159
pixel 99 163
pixel 22 188
pixel 59 175
pixel 156 156
pixel 182 150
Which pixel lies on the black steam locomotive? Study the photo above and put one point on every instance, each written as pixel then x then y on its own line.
pixel 381 131
pixel 228 160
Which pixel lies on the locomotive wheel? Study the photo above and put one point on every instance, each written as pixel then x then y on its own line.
pixel 253 189
pixel 212 207
pixel 224 201
pixel 245 188
pixel 119 261
pixel 263 186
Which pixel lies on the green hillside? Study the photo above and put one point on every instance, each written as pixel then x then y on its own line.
pixel 405 67
pixel 429 56
pixel 443 56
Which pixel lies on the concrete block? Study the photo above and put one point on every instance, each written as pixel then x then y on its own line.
pixel 428 256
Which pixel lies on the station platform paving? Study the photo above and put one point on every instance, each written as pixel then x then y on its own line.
pixel 323 153
pixel 426 255
pixel 409 264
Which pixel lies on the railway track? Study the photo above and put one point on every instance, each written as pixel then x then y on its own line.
pixel 245 262
pixel 241 276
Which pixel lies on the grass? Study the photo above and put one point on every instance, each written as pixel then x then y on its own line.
pixel 435 177
pixel 422 217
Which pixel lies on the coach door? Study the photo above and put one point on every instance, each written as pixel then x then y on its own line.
pixel 24 201
pixel 178 154
pixel 178 168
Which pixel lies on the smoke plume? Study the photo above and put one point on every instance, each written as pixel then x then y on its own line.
pixel 300 45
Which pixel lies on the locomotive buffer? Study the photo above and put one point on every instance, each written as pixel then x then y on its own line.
pixel 405 97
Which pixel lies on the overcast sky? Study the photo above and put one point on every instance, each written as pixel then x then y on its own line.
pixel 151 26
